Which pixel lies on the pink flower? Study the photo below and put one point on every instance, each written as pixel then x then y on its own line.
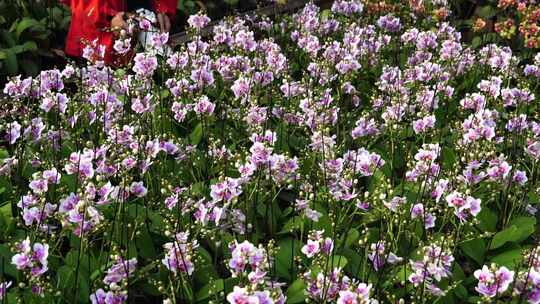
pixel 241 87
pixel 120 270
pixel 493 281
pixel 311 248
pixel 204 106
pixel 226 190
pixel 32 259
pixel 3 288
pixel 178 254
pixel 424 124
pixel 52 176
pixel 347 297
pixel 240 296
pixel 198 21
pixel 245 254
pixel 160 40
pixel 138 189
pixel 145 64
pixel 39 186
pixel 142 105
pixel 122 46
pixel 13 132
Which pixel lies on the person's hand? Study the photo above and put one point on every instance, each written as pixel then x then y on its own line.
pixel 118 22
pixel 164 22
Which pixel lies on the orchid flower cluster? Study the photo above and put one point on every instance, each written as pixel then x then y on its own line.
pixel 246 259
pixel 116 280
pixel 32 260
pixel 356 154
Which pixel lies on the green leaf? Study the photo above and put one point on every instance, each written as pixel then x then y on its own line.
pixel 475 249
pixel 27 46
pixel 12 67
pixel 288 249
pixel 488 220
pixel 461 292
pixel 209 290
pixel 448 157
pixel 476 42
pixel 295 293
pixel 8 38
pixel 5 259
pixel 457 272
pixel 352 236
pixel 205 272
pixel 509 234
pixel 487 12
pixel 525 225
pixel 533 198
pixel 145 245
pixel 508 258
pixel 6 218
pixel 3 153
pixel 196 136
pixel 292 224
pixel 26 23
pixel 29 67
pixel 354 260
pixel 338 261
pixel 65 277
pixel 520 228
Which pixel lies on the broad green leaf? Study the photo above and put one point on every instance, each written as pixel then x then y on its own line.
pixel 457 272
pixel 508 258
pixel 292 224
pixel 145 245
pixel 475 249
pixel 12 67
pixel 525 225
pixel 205 271
pixel 354 260
pixel 476 42
pixel 509 234
pixel 461 292
pixel 7 225
pixel 209 290
pixel 8 38
pixel 288 249
pixel 27 46
pixel 65 277
pixel 295 293
pixel 196 136
pixel 352 236
pixel 29 67
pixel 5 259
pixel 487 12
pixel 187 292
pixel 533 198
pixel 24 24
pixel 488 220
pixel 338 261
pixel 448 157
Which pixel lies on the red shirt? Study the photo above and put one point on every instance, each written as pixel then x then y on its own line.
pixel 91 18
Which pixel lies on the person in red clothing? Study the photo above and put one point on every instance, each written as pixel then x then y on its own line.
pixel 97 19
